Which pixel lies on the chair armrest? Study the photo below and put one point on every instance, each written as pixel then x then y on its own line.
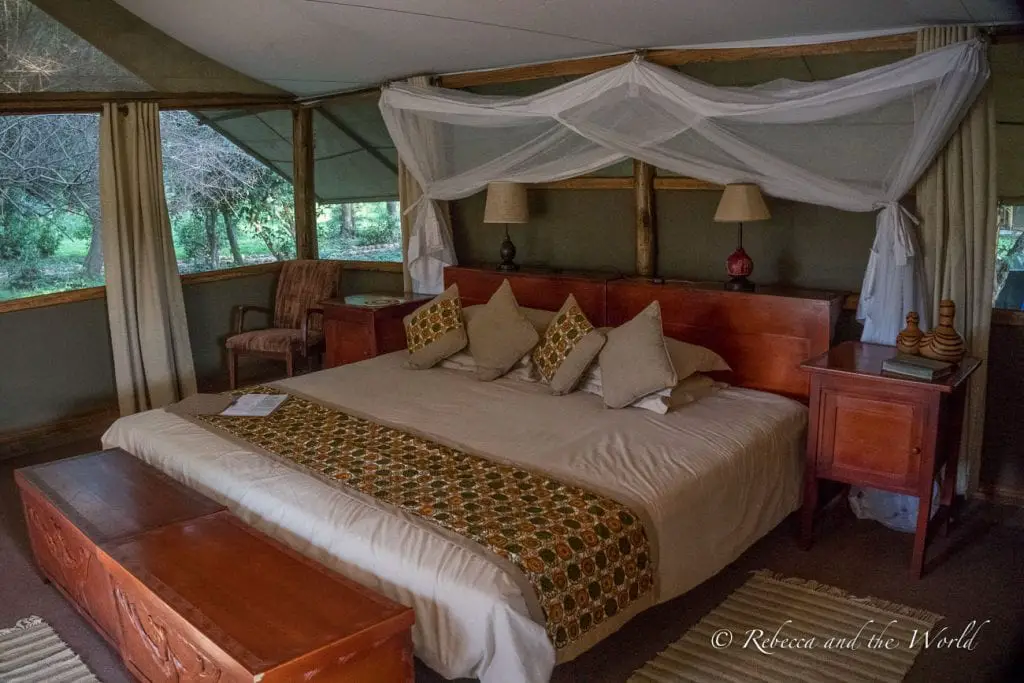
pixel 310 312
pixel 240 311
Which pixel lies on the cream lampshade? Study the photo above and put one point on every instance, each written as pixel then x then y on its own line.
pixel 740 202
pixel 506 203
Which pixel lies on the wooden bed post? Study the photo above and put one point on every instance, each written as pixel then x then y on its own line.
pixel 646 227
pixel 302 182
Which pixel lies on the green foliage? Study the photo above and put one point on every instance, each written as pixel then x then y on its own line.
pixel 375 224
pixel 374 234
pixel 26 238
pixel 190 235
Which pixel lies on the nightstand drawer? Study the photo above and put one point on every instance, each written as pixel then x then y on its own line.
pixel 349 316
pixel 870 438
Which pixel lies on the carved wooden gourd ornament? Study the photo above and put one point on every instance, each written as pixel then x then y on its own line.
pixel 909 339
pixel 943 343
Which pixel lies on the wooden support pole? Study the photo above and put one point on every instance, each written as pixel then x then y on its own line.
pixel 302 182
pixel 646 238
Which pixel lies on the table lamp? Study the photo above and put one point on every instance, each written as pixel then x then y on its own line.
pixel 740 202
pixel 506 203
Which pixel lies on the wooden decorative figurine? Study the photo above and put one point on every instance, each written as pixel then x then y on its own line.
pixel 909 339
pixel 943 343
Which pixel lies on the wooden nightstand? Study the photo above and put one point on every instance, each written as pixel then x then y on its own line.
pixel 883 431
pixel 362 326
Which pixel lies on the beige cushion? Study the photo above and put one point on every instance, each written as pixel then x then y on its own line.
pixel 634 361
pixel 569 345
pixel 499 335
pixel 690 358
pixel 435 330
pixel 273 340
pixel 537 316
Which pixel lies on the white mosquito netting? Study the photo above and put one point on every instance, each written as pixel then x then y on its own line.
pixel 857 143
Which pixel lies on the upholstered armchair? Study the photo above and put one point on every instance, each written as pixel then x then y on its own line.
pixel 297 328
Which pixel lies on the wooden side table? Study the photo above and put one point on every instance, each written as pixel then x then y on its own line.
pixel 362 326
pixel 884 431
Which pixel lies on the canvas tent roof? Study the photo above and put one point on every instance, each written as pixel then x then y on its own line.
pixel 355 159
pixel 316 46
pixel 309 47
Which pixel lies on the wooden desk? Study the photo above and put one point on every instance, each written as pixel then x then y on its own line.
pixel 187 592
pixel 362 326
pixel 883 431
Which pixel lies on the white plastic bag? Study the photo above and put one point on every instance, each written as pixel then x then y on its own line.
pixel 897 511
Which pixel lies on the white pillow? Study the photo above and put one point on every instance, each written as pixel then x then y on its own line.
pixel 689 390
pixel 524 370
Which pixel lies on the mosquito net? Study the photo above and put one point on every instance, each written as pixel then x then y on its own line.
pixel 856 143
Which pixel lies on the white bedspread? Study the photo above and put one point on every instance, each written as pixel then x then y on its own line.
pixel 713 476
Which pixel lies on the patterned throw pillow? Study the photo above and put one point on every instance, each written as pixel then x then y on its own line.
pixel 435 330
pixel 569 345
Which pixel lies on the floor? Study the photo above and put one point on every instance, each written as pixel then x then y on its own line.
pixel 979 575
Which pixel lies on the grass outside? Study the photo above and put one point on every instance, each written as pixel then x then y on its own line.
pixel 64 271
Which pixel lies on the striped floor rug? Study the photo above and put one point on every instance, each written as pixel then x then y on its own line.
pixel 31 652
pixel 775 629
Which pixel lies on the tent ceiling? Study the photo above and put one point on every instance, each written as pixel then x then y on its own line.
pixel 355 158
pixel 317 46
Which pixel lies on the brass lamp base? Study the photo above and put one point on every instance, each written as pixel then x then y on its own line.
pixel 508 255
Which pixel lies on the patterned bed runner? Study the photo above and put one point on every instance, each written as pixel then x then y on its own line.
pixel 586 556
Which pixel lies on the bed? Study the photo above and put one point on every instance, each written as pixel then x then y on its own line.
pixel 711 478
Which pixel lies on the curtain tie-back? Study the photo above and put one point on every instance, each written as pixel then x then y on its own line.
pixel 901 219
pixel 412 207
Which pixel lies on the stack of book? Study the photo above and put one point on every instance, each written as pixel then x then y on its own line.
pixel 917 367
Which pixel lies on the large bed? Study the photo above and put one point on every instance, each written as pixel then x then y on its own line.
pixel 711 478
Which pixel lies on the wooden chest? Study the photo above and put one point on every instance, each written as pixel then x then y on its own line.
pixel 73 506
pixel 187 592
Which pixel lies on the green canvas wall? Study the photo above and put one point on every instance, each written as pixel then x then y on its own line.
pixel 802 245
pixel 57 359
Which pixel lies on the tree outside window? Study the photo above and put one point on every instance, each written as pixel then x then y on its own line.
pixel 360 231
pixel 227 208
pixel 1009 283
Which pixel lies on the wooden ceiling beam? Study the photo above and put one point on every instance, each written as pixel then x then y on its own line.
pixel 580 67
pixel 587 183
pixel 82 102
pixel 680 183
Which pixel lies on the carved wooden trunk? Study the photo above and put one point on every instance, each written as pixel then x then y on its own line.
pixel 189 594
pixel 212 600
pixel 75 505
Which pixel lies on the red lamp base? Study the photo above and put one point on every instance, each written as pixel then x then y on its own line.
pixel 739 265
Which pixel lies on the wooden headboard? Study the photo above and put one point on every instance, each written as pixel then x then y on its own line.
pixel 534 289
pixel 764 336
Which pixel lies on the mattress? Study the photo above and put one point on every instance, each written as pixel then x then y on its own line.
pixel 712 478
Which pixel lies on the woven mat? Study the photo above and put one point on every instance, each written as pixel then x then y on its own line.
pixel 32 652
pixel 782 629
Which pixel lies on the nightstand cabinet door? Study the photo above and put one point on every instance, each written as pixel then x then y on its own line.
pixel 348 341
pixel 871 435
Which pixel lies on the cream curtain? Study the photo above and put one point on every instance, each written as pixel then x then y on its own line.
pixel 956 199
pixel 148 332
pixel 427 231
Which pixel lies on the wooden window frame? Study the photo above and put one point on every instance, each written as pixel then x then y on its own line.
pixel 92 293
